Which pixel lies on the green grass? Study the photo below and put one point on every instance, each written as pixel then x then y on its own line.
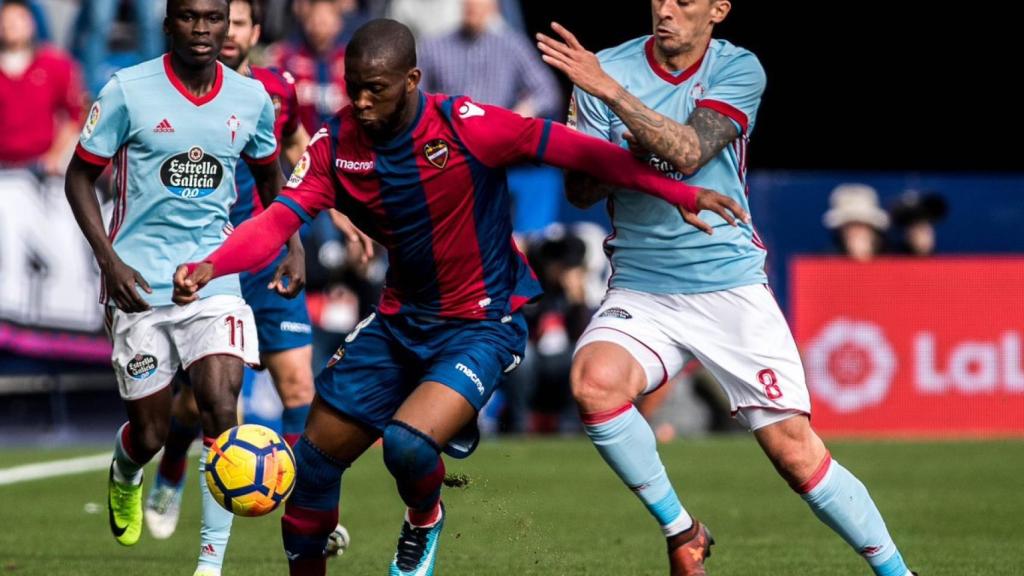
pixel 553 507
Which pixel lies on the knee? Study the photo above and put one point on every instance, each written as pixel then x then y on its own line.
pixel 796 458
pixel 295 386
pixel 408 453
pixel 598 385
pixel 318 476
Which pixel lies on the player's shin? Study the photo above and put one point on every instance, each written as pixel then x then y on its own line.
pixel 127 462
pixel 216 521
pixel 311 513
pixel 842 502
pixel 626 442
pixel 175 459
pixel 414 460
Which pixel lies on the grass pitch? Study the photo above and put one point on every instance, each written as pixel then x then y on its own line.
pixel 552 507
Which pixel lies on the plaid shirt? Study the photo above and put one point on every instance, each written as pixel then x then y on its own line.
pixel 499 67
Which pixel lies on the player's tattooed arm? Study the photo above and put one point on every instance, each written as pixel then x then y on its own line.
pixel 583 190
pixel 687 146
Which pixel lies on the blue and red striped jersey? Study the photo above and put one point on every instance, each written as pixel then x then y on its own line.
pixel 281 88
pixel 436 197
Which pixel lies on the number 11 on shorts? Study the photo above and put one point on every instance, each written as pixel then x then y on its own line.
pixel 235 326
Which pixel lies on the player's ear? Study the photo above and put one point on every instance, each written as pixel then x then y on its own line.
pixel 719 10
pixel 167 28
pixel 257 31
pixel 412 80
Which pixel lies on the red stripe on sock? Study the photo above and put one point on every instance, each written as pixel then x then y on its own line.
pixel 428 518
pixel 421 492
pixel 815 479
pixel 126 443
pixel 307 521
pixel 291 439
pixel 208 441
pixel 595 418
pixel 307 567
pixel 173 469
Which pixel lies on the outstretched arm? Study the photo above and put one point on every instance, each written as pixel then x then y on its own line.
pixel 687 146
pixel 119 279
pixel 251 246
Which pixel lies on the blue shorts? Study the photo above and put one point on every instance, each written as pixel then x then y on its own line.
pixel 386 357
pixel 281 323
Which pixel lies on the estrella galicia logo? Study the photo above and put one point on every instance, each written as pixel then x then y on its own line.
pixel 192 174
pixel 142 366
pixel 615 313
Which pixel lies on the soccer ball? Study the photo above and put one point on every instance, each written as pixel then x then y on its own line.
pixel 250 470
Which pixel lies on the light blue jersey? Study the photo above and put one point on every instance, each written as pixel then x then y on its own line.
pixel 652 249
pixel 174 165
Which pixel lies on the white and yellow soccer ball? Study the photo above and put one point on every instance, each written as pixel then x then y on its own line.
pixel 250 470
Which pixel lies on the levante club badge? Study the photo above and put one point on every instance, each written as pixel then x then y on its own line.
pixel 436 152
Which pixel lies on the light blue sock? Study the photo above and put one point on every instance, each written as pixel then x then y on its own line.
pixel 627 444
pixel 216 526
pixel 126 470
pixel 843 503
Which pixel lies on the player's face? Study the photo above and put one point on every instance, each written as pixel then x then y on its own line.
pixel 681 26
pixel 197 29
pixel 242 35
pixel 16 27
pixel 380 94
pixel 322 24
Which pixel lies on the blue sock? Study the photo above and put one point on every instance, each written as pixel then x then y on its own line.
pixel 842 502
pixel 627 444
pixel 311 513
pixel 216 526
pixel 415 461
pixel 293 422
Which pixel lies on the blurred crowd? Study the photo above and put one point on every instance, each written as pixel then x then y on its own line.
pixel 55 55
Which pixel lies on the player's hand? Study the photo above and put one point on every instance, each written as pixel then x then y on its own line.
pixel 720 204
pixel 120 280
pixel 359 244
pixel 294 269
pixel 572 59
pixel 188 279
pixel 635 147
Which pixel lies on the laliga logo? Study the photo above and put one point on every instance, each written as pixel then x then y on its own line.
pixel 850 365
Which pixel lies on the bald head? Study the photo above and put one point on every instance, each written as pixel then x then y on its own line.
pixel 382 40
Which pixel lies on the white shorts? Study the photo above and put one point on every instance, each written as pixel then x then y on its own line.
pixel 739 335
pixel 150 346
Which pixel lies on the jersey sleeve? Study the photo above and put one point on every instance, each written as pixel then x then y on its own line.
pixel 499 137
pixel 311 188
pixel 262 146
pixel 106 127
pixel 735 90
pixel 589 115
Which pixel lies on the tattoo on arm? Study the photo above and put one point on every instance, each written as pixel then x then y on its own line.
pixel 583 190
pixel 688 146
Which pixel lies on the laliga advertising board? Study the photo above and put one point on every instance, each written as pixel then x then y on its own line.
pixel 908 347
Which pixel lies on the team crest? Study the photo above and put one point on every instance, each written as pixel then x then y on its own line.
pixel 338 355
pixel 299 172
pixel 571 118
pixel 436 152
pixel 233 125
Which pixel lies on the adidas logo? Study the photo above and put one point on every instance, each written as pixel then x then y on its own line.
pixel 164 126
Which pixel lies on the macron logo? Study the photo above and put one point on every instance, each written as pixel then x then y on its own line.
pixel 353 165
pixel 469 110
pixel 471 375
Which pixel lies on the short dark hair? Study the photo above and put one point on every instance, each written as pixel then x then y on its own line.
pixel 171 3
pixel 23 3
pixel 256 6
pixel 384 39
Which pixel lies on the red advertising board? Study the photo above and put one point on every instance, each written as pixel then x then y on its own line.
pixel 909 347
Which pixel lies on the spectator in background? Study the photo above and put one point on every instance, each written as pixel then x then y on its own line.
pixel 41 96
pixel 490 63
pixel 94 25
pixel 915 214
pixel 857 221
pixel 426 18
pixel 316 61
